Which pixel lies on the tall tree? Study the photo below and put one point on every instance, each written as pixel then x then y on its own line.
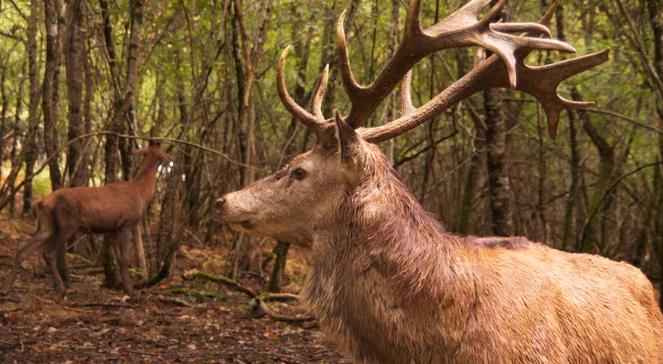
pixel 572 210
pixel 50 90
pixel 76 170
pixel 499 186
pixel 251 52
pixel 656 24
pixel 30 145
pixel 4 105
pixel 124 93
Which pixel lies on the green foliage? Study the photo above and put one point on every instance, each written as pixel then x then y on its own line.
pixel 41 184
pixel 192 69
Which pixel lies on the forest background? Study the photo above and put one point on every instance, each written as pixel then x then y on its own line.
pixel 84 82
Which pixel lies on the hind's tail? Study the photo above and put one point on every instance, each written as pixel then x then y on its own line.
pixel 44 217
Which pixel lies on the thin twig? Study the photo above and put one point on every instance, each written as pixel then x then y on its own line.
pixel 609 190
pixel 626 118
pixel 281 297
pixel 230 283
pixel 141 353
pixel 106 305
pixel 174 300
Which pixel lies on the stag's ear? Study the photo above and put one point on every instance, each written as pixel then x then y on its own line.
pixel 347 139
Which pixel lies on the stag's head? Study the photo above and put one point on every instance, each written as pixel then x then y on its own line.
pixel 309 192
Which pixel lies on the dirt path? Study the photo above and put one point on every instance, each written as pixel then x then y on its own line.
pixel 100 325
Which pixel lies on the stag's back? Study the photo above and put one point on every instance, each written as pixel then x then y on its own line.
pixel 578 308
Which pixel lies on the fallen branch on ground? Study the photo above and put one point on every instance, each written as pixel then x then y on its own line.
pixel 281 297
pixel 230 283
pixel 258 299
pixel 14 345
pixel 278 317
pixel 174 301
pixel 105 305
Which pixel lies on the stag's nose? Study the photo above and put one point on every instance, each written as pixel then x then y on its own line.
pixel 220 202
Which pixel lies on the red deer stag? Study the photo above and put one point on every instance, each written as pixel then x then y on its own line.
pixel 388 283
pixel 112 209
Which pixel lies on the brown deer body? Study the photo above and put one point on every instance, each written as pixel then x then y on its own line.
pixel 112 209
pixel 388 283
pixel 391 286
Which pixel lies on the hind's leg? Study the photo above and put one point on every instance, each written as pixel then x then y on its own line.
pixel 39 240
pixel 61 261
pixel 50 256
pixel 120 246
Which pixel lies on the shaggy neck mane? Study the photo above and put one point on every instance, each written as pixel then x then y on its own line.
pixel 384 225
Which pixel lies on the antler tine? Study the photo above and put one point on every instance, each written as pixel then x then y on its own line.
pixel 320 94
pixel 532 29
pixel 349 82
pixel 538 81
pixel 406 95
pixel 461 28
pixel 313 121
pixel 542 82
pixel 547 17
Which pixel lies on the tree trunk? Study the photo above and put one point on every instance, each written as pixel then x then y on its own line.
pixel 429 165
pixel 14 154
pixel 499 186
pixel 74 71
pixel 656 23
pixel 251 53
pixel 281 251
pixel 572 215
pixel 600 203
pixel 50 91
pixel 478 148
pixel 4 104
pixel 123 99
pixel 498 179
pixel 30 145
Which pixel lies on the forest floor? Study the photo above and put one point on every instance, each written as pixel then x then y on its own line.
pixel 182 321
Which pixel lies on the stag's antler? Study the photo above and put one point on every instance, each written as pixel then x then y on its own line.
pixel 462 28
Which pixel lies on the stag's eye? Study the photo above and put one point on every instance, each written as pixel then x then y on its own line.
pixel 298 173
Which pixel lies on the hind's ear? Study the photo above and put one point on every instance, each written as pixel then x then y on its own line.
pixel 165 157
pixel 140 152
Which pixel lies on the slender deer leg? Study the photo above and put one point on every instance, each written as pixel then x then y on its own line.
pixel 120 247
pixel 39 240
pixel 61 261
pixel 50 256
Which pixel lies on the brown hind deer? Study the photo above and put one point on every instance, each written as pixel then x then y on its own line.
pixel 112 209
pixel 388 283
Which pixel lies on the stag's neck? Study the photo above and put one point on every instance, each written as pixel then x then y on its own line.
pixel 146 177
pixel 382 227
pixel 383 265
